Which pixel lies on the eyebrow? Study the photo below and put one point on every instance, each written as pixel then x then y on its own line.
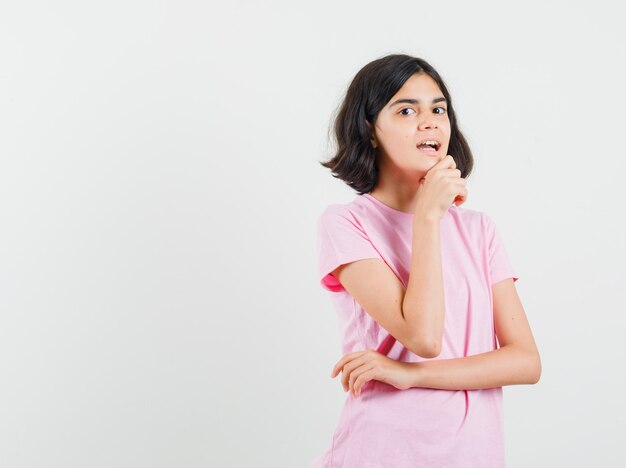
pixel 415 101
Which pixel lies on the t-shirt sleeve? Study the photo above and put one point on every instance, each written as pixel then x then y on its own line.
pixel 340 239
pixel 500 266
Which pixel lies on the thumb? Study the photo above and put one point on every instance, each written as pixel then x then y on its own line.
pixel 420 185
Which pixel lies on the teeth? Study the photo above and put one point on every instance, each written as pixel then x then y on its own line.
pixel 430 142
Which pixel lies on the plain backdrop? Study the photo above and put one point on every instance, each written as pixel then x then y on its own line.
pixel 160 184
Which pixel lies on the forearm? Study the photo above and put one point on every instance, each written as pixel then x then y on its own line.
pixel 508 365
pixel 423 302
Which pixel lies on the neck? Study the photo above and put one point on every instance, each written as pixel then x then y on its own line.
pixel 400 195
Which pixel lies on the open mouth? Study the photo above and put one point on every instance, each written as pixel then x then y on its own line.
pixel 429 146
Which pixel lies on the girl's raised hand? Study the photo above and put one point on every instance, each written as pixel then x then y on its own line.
pixel 441 186
pixel 362 366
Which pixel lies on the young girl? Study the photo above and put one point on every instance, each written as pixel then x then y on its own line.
pixel 422 286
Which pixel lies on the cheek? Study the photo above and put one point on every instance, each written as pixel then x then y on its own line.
pixel 399 139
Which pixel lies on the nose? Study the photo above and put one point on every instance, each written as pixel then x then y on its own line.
pixel 427 122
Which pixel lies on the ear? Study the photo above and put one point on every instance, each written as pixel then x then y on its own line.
pixel 373 138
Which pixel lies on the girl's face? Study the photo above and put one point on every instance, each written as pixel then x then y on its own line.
pixel 416 113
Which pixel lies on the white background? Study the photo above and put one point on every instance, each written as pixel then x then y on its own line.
pixel 159 303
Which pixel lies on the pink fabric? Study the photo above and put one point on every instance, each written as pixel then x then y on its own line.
pixel 417 427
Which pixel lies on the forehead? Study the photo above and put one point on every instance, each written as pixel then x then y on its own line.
pixel 420 86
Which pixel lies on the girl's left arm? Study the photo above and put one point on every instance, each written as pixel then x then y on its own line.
pixel 515 362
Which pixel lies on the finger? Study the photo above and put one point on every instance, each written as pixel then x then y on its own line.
pixel 451 172
pixel 445 162
pixel 362 380
pixel 337 367
pixel 461 197
pixel 349 368
pixel 354 375
pixel 345 376
pixel 342 362
pixel 452 161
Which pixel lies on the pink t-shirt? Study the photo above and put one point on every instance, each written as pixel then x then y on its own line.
pixel 417 427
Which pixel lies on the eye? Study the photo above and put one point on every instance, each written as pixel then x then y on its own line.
pixel 443 110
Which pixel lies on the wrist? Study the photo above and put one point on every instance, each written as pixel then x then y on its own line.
pixel 417 372
pixel 423 216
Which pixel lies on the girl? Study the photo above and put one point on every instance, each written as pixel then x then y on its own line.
pixel 421 285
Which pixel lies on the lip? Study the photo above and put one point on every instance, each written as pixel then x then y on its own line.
pixel 429 138
pixel 429 152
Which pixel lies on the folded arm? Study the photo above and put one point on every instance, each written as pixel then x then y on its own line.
pixel 517 361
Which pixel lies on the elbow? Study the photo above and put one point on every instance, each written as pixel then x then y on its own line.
pixel 427 348
pixel 535 369
pixel 425 337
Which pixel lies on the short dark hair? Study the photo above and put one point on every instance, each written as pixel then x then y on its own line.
pixel 355 160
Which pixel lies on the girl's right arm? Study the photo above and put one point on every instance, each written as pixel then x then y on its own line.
pixel 423 301
pixel 414 316
pixel 423 304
